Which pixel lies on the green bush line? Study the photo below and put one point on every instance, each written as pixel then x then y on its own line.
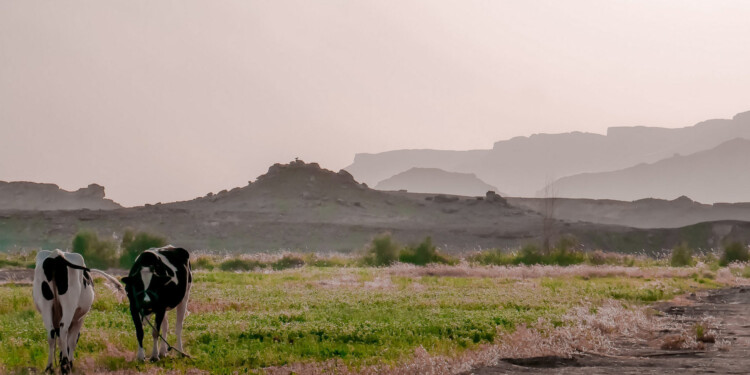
pixel 383 250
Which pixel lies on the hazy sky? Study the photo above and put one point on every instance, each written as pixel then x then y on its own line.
pixel 169 100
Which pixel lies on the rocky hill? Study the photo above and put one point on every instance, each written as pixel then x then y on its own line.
pixel 523 165
pixel 436 181
pixel 35 196
pixel 302 207
pixel 716 175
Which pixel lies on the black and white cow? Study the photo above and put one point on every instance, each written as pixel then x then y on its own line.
pixel 63 293
pixel 159 281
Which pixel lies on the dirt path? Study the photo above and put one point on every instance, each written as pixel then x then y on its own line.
pixel 730 307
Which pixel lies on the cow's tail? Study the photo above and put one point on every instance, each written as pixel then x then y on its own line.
pixel 114 284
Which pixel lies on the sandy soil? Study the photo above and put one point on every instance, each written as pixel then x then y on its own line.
pixel 730 307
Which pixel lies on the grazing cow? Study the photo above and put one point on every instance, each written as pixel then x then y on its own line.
pixel 63 293
pixel 159 281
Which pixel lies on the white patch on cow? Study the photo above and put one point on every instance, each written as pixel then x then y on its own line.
pixel 146 276
pixel 166 262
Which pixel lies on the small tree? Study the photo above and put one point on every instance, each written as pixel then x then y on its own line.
pixel 96 253
pixel 133 244
pixel 382 251
pixel 734 252
pixel 682 256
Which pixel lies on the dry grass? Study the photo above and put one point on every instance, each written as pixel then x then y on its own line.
pixel 538 271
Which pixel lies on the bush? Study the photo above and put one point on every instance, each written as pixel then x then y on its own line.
pixel 565 253
pixel 288 261
pixel 493 257
pixel 734 252
pixel 423 254
pixel 133 244
pixel 237 264
pixel 563 257
pixel 96 253
pixel 530 254
pixel 203 263
pixel 383 251
pixel 682 256
pixel 313 260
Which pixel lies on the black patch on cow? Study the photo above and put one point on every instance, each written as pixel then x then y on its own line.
pixel 62 324
pixel 57 268
pixel 52 333
pixel 49 268
pixel 61 276
pixel 47 292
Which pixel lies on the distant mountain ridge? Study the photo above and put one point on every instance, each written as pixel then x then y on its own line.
pixel 23 195
pixel 721 174
pixel 521 166
pixel 436 181
pixel 303 207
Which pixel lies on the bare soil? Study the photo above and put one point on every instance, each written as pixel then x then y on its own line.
pixel 731 309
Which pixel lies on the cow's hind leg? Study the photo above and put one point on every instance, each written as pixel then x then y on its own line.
pixel 73 335
pixel 65 365
pixel 52 333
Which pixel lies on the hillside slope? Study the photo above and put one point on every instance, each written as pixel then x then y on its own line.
pixel 436 181
pixel 717 175
pixel 303 207
pixel 643 213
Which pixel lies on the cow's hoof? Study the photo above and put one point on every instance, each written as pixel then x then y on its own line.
pixel 141 355
pixel 49 369
pixel 65 366
pixel 154 359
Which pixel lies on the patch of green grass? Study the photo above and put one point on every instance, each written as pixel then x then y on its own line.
pixel 241 322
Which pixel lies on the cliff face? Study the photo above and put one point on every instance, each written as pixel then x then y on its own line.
pixel 32 196
pixel 522 166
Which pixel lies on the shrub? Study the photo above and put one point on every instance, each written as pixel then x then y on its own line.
pixel 682 256
pixel 530 254
pixel 734 252
pixel 288 261
pixel 237 264
pixel 563 257
pixel 332 261
pixel 133 244
pixel 383 251
pixel 423 254
pixel 493 257
pixel 565 253
pixel 96 253
pixel 598 258
pixel 203 263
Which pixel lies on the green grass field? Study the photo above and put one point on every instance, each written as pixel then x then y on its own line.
pixel 244 322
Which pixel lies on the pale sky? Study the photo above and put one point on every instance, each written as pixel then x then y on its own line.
pixel 170 100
